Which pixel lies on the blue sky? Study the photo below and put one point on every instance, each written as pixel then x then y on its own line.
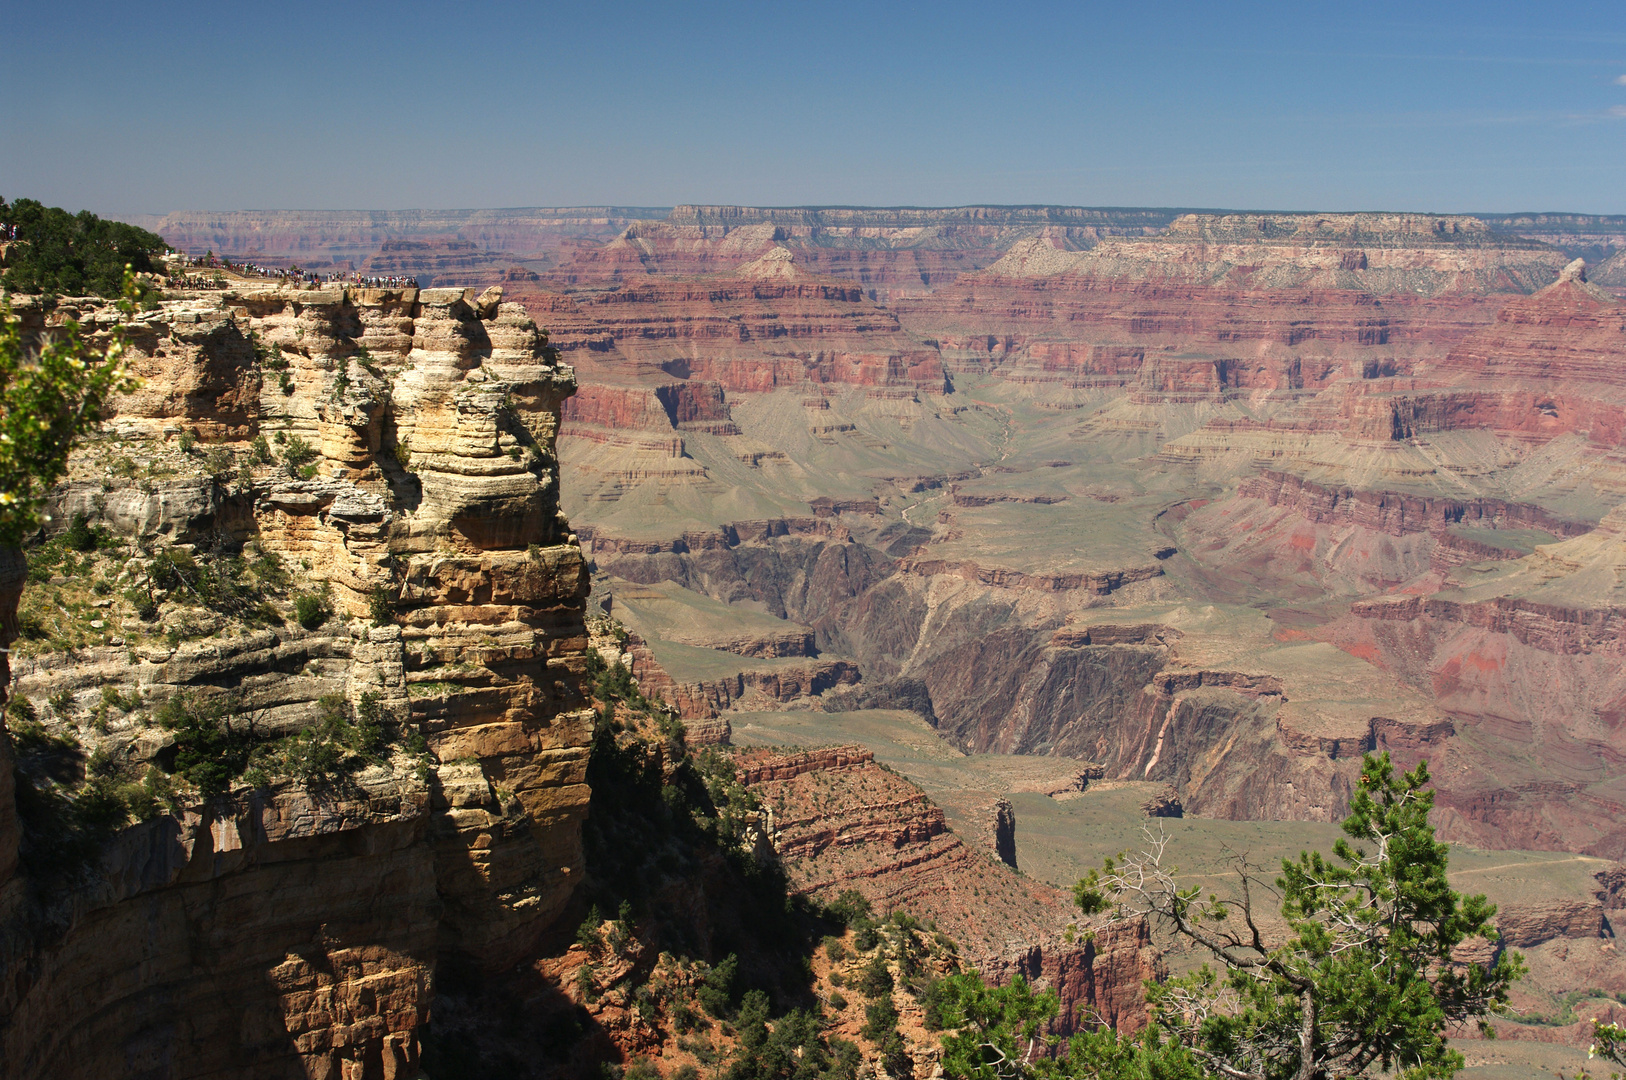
pixel 129 108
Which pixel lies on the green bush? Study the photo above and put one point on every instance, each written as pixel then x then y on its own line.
pixel 895 1060
pixel 848 908
pixel 793 1047
pixel 146 607
pixel 296 451
pixel 381 606
pixel 311 610
pixel 934 1002
pixel 587 934
pixel 752 1021
pixel 339 742
pixel 212 742
pixel 215 743
pixel 876 979
pixel 19 710
pixel 123 703
pixel 220 463
pixel 81 537
pixel 641 1069
pixel 716 993
pixel 880 1018
pixel 621 928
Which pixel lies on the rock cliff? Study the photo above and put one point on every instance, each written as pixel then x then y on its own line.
pixel 394 451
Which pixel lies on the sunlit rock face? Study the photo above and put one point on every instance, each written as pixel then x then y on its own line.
pixel 294 929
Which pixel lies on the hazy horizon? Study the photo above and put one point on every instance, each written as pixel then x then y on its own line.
pixel 984 204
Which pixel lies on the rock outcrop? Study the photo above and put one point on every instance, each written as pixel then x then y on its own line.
pixel 298 928
pixel 1005 832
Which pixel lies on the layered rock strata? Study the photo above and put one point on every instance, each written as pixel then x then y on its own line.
pixel 294 929
pixel 843 822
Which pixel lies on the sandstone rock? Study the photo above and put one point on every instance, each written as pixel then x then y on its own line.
pixel 1166 804
pixel 302 929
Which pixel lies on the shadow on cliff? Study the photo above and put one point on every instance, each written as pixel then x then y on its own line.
pixel 679 847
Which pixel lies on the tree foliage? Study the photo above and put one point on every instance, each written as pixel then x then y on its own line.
pixel 65 254
pixel 998 1034
pixel 1608 1044
pixel 50 395
pixel 1368 980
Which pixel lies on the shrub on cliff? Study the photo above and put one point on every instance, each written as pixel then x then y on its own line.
pixel 310 610
pixel 240 584
pixel 296 455
pixel 216 742
pixel 72 254
pixel 81 536
pixel 50 395
pixel 212 744
pixel 342 740
pixel 791 1048
pixel 848 908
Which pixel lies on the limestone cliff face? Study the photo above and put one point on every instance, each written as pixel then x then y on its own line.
pixel 291 930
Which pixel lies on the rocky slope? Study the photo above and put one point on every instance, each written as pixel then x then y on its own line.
pixel 843 822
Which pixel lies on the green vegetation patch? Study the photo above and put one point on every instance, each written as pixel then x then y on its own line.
pixel 63 254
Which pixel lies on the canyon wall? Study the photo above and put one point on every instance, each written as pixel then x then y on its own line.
pixel 292 928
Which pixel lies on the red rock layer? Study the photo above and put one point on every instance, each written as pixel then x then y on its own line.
pixel 844 822
pixel 1569 332
pixel 1550 364
pixel 743 335
pixel 1084 331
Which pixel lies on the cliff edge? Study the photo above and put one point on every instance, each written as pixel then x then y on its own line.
pixel 330 619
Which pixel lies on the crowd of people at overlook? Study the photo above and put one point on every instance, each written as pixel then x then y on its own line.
pixel 181 278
